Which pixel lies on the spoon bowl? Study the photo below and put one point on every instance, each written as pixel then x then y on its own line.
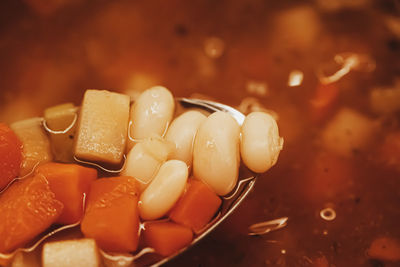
pixel 147 256
pixel 230 202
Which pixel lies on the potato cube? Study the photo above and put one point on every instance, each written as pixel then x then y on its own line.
pixel 385 100
pixel 23 259
pixel 348 132
pixel 59 118
pixel 36 145
pixel 80 252
pixel 103 126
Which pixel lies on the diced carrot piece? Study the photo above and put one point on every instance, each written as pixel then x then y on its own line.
pixel 323 101
pixel 385 248
pixel 10 155
pixel 321 262
pixel 27 208
pixel 112 216
pixel 167 237
pixel 69 182
pixel 197 205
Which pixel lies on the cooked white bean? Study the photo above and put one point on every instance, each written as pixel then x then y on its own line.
pixel 182 132
pixel 164 190
pixel 216 152
pixel 260 144
pixel 145 158
pixel 152 112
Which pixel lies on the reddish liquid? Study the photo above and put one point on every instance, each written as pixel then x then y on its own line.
pixel 52 56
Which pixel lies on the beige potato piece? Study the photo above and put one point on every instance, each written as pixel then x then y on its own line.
pixel 348 132
pixel 260 143
pixel 79 252
pixel 103 127
pixel 145 158
pixel 59 118
pixel 385 100
pixel 164 190
pixel 216 152
pixel 23 259
pixel 36 145
pixel 152 112
pixel 182 132
pixel 297 27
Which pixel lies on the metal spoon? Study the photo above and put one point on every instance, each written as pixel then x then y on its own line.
pixel 242 189
pixel 146 256
pixel 230 202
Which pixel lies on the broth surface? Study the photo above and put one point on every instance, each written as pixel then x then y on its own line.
pixel 231 51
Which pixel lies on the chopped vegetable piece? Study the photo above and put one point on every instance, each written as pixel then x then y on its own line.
pixel 197 206
pixel 23 259
pixel 216 155
pixel 81 252
pixel 164 190
pixel 348 132
pixel 323 101
pixel 69 182
pixel 59 118
pixel 103 127
pixel 112 216
pixel 389 151
pixel 152 112
pixel 10 155
pixel 385 100
pixel 167 237
pixel 298 28
pixel 145 158
pixel 321 262
pixel 36 145
pixel 260 143
pixel 27 208
pixel 181 132
pixel 385 248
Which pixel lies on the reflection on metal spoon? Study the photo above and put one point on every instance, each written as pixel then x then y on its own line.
pixel 268 226
pixel 66 130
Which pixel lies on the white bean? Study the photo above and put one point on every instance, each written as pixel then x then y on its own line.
pixel 260 144
pixel 182 132
pixel 216 152
pixel 164 190
pixel 145 158
pixel 152 112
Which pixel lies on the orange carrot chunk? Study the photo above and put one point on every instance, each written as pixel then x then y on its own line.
pixel 320 262
pixel 112 216
pixel 27 208
pixel 167 237
pixel 69 182
pixel 323 101
pixel 10 155
pixel 197 206
pixel 385 248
